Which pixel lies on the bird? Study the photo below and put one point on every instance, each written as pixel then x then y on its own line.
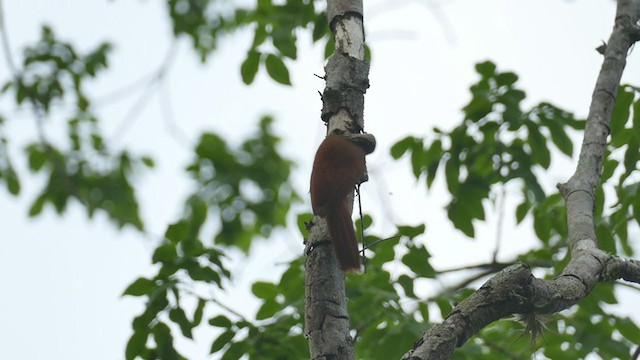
pixel 339 166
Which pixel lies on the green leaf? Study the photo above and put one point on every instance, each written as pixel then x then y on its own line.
pixel 37 158
pixel 559 136
pixel 478 108
pixel 636 119
pixel 277 69
pixel 177 232
pixel 434 153
pixel 432 158
pixel 165 253
pixel 610 166
pixel 444 306
pixel 452 174
pixel 197 314
pixel 13 184
pixel 198 214
pixel 292 283
pixel 383 252
pixel 417 158
pixel 9 84
pixel 250 66
pixel 539 151
pixel 202 273
pixel 137 344
pixel 264 290
pixel 622 138
pixel 599 202
pixel 164 340
pixel 236 350
pixel 486 69
pixel 220 321
pixel 148 161
pixel 329 47
pixel 417 260
pixel 411 231
pixel 621 110
pixel 259 36
pixel 631 156
pixel 605 239
pixel 222 340
pixel 21 93
pixel 320 27
pixel 542 226
pixel 142 286
pixel 628 329
pixel 407 285
pixel 285 41
pixel 38 204
pixel 178 316
pixel 635 205
pixel 522 210
pixel 367 220
pixel 506 78
pixel 460 218
pixel 467 205
pixel 302 221
pixel 268 309
pixel 399 148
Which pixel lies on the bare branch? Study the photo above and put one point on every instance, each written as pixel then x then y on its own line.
pixel 157 78
pixel 495 266
pixel 618 268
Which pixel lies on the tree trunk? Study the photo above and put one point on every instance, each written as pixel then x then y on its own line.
pixel 346 73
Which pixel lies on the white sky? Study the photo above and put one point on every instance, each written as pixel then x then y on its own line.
pixel 62 276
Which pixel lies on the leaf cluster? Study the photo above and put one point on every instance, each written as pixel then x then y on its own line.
pixel 275 27
pixel 496 143
pixel 244 192
pixel 84 168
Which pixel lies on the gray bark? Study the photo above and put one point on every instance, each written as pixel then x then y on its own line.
pixel 326 318
pixel 515 289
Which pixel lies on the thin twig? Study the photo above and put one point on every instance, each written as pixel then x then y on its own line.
pixel 499 348
pixel 499 226
pixel 125 91
pixel 168 117
pixel 131 115
pixel 497 266
pixel 379 241
pixel 364 246
pixel 5 43
pixel 213 300
pixel 626 284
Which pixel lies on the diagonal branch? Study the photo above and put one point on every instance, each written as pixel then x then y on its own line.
pixel 514 289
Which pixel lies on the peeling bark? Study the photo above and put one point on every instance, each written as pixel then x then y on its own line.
pixel 326 318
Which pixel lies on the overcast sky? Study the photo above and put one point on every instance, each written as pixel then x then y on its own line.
pixel 63 275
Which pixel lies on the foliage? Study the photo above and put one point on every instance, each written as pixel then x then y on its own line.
pixel 496 143
pixel 274 24
pixel 85 169
pixel 243 193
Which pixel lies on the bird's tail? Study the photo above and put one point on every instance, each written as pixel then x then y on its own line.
pixel 343 237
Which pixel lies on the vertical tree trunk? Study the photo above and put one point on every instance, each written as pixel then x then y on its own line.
pixel 326 317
